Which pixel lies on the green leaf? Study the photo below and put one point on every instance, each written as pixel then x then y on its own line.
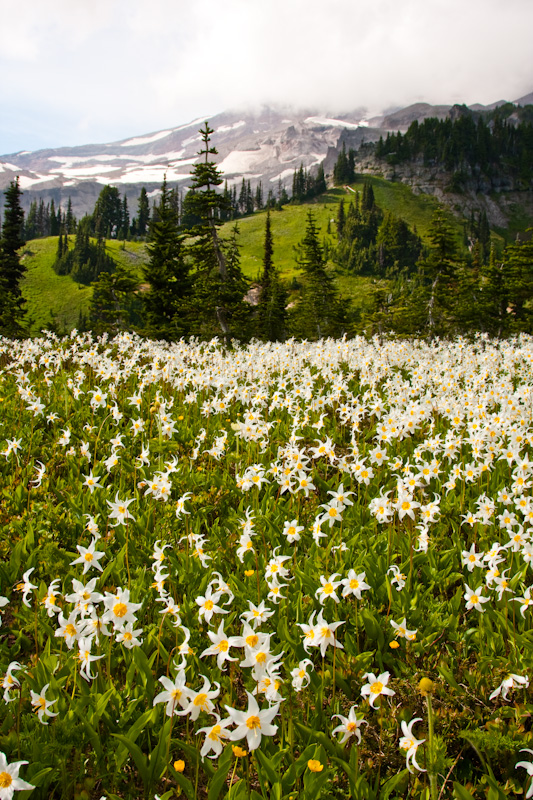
pixel 219 778
pixel 141 761
pixel 268 767
pixel 448 677
pixel 393 783
pixel 461 793
pixel 184 783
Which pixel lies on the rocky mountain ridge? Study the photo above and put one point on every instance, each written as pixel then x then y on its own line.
pixel 268 146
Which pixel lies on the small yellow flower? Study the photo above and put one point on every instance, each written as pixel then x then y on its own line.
pixel 249 572
pixel 394 645
pixel 179 765
pixel 426 686
pixel 315 766
pixel 238 752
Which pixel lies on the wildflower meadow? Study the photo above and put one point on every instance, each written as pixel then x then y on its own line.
pixel 297 570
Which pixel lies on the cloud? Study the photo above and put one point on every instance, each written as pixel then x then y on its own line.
pixel 108 69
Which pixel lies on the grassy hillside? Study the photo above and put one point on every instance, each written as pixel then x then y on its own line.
pixel 49 294
pixel 288 226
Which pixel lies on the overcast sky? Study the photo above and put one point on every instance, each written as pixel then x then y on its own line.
pixel 92 71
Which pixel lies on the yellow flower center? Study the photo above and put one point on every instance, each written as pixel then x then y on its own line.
pixel 5 780
pixel 376 688
pixel 120 610
pixel 70 630
pixel 474 599
pixel 354 584
pixel 208 605
pixel 88 556
pixel 223 646
pixel 214 734
pixel 328 588
pixel 200 700
pixel 252 640
pixel 253 722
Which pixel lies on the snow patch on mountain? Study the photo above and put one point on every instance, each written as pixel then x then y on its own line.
pixel 154 174
pixel 27 182
pixel 287 173
pixel 226 128
pixel 145 139
pixel 241 161
pixel 331 123
pixel 82 172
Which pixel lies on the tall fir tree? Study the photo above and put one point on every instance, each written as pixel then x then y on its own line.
pixel 440 276
pixel 12 269
pixel 167 273
pixel 217 289
pixel 319 312
pixel 114 305
pixel 271 309
pixel 143 213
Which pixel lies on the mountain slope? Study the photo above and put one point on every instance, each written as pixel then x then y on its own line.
pixel 267 146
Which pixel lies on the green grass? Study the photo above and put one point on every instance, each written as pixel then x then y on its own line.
pixel 288 228
pixel 51 296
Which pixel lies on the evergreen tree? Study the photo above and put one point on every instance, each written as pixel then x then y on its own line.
pixel 271 309
pixel 70 220
pixel 114 305
pixel 319 312
pixel 107 214
pixel 143 213
pixel 167 274
pixel 518 276
pixel 216 295
pixel 31 222
pixel 440 275
pixel 55 219
pixel 125 220
pixel 340 170
pixel 11 267
pixel 340 220
pixel 259 196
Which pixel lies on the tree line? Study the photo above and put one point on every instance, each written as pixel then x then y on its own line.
pixel 468 147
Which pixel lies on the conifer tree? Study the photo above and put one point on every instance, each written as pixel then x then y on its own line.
pixel 167 273
pixel 319 312
pixel 216 295
pixel 440 275
pixel 55 219
pixel 70 219
pixel 11 267
pixel 114 305
pixel 271 309
pixel 340 220
pixel 143 213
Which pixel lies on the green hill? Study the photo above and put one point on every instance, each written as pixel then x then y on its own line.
pixel 50 296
